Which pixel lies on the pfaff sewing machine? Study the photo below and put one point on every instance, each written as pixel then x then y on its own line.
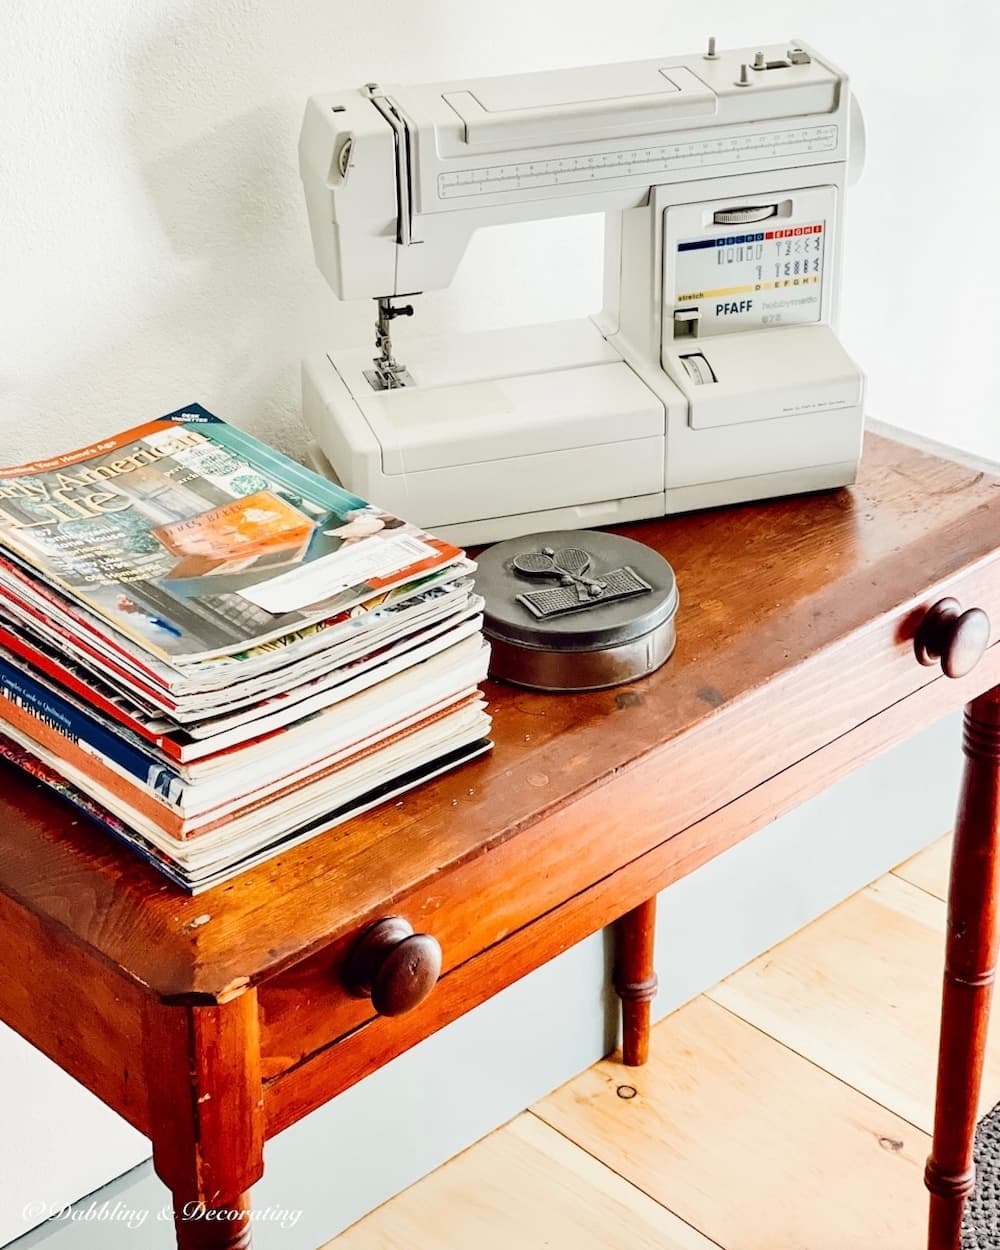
pixel 713 373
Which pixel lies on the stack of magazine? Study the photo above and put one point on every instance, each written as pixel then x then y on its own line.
pixel 216 653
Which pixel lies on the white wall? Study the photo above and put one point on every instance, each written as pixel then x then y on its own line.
pixel 154 250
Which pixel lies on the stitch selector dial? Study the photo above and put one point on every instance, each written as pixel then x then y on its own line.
pixel 741 216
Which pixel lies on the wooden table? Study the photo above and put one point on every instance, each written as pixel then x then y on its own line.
pixel 215 1022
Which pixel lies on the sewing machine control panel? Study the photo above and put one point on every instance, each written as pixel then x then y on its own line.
pixel 748 266
pixel 754 278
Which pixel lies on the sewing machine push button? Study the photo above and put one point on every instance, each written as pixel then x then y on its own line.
pixel 686 322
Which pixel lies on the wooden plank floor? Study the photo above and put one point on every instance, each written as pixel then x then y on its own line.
pixel 787 1108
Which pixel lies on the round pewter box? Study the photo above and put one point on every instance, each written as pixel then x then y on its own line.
pixel 576 609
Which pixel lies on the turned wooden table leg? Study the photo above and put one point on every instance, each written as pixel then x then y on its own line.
pixel 215 1228
pixel 207 1116
pixel 635 979
pixel 970 965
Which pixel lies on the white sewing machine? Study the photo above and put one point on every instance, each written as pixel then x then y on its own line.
pixel 713 373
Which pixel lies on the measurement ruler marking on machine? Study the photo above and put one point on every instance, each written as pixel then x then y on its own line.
pixel 526 175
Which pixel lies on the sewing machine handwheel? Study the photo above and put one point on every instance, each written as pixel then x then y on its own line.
pixel 958 639
pixel 393 966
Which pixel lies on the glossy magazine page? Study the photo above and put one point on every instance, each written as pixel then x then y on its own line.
pixel 193 539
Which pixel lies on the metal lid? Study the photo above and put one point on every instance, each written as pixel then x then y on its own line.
pixel 574 590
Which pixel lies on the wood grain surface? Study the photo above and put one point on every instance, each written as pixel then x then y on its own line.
pixel 299 1082
pixel 524 1186
pixel 972 945
pixel 788 607
pixel 635 979
pixel 470 1196
pixel 753 1145
pixel 206 1117
pixel 929 868
pixel 859 992
pixel 87 1018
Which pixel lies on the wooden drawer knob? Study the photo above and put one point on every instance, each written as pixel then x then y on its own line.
pixel 393 966
pixel 958 639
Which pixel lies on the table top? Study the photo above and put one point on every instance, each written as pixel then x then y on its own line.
pixel 766 588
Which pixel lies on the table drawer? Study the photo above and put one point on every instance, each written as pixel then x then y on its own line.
pixel 300 1089
pixel 477 903
pixel 466 911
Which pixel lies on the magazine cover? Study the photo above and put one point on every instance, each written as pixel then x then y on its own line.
pixel 195 540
